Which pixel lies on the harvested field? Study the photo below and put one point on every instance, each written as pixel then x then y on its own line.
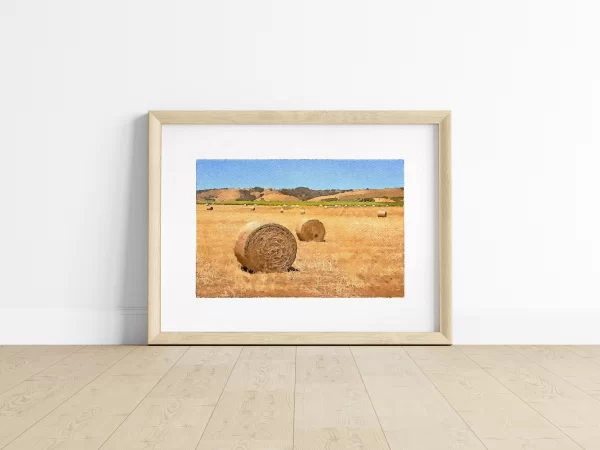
pixel 362 256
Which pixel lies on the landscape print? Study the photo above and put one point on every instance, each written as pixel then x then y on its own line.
pixel 299 228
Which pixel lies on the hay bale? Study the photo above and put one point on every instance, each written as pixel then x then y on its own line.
pixel 325 206
pixel 310 230
pixel 302 211
pixel 265 247
pixel 245 204
pixel 281 210
pixel 253 208
pixel 209 208
pixel 382 213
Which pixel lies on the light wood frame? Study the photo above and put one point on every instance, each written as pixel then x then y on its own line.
pixel 156 119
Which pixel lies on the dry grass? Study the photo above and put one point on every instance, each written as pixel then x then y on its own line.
pixel 362 256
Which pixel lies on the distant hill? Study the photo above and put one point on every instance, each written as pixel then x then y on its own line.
pixel 220 195
pixel 387 193
pixel 296 194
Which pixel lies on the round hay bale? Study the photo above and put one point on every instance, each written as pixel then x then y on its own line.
pixel 325 206
pixel 253 208
pixel 310 230
pixel 265 247
pixel 281 210
pixel 245 204
pixel 209 208
pixel 302 211
pixel 382 213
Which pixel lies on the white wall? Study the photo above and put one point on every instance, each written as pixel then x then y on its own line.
pixel 77 78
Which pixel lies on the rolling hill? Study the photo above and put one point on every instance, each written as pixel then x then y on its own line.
pixel 364 193
pixel 295 194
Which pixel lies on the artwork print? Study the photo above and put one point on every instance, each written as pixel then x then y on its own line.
pixel 299 228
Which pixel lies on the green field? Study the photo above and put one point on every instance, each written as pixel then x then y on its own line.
pixel 302 203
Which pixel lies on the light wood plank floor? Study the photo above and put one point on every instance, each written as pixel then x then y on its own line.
pixel 308 398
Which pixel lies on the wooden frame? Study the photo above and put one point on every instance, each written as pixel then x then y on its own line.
pixel 158 118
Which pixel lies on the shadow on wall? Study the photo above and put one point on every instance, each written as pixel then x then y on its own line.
pixel 134 293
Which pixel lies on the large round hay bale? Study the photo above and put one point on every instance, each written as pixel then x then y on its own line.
pixel 209 208
pixel 281 210
pixel 265 247
pixel 253 208
pixel 310 230
pixel 382 213
pixel 302 211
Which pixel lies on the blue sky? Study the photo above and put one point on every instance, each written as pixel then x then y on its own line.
pixel 291 173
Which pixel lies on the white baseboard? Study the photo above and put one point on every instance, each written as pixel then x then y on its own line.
pixel 61 326
pixel 128 325
pixel 526 326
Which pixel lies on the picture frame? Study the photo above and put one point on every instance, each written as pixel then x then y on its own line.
pixel 156 121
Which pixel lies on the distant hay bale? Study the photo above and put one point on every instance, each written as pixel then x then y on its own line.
pixel 382 213
pixel 209 208
pixel 310 230
pixel 265 247
pixel 245 204
pixel 302 211
pixel 253 208
pixel 281 210
pixel 325 206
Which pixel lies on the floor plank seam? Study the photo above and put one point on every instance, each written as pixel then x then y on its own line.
pixel 45 368
pixel 143 398
pixel 294 397
pixel 220 395
pixel 16 353
pixel 553 373
pixel 444 397
pixel 369 397
pixel 568 347
pixel 522 400
pixel 69 398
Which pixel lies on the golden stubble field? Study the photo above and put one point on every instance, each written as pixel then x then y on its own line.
pixel 362 256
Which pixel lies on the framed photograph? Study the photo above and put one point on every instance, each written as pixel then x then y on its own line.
pixel 299 227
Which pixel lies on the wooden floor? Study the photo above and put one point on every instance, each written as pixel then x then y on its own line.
pixel 313 398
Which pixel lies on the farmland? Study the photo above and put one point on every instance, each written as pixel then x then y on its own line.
pixel 329 203
pixel 362 256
